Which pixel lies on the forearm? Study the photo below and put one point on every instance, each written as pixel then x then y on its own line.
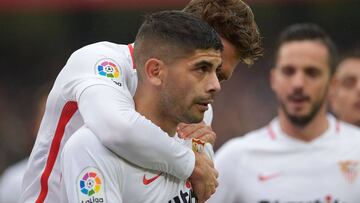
pixel 111 115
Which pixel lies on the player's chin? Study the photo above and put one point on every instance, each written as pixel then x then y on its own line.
pixel 298 114
pixel 298 110
pixel 196 117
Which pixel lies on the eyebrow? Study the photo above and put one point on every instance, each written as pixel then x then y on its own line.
pixel 206 63
pixel 203 62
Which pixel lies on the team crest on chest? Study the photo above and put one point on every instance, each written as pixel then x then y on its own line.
pixel 350 169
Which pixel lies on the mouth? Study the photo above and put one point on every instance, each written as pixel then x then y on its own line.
pixel 204 105
pixel 298 100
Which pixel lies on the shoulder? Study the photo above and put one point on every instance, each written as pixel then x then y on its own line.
pixel 349 131
pixel 100 63
pixel 236 146
pixel 103 48
pixel 115 55
pixel 347 127
pixel 82 142
pixel 249 138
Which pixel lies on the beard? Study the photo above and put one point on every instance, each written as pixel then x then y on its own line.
pixel 302 121
pixel 173 106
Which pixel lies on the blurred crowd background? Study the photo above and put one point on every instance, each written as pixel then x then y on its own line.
pixel 37 37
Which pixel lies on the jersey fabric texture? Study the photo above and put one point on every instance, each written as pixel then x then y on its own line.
pixel 96 87
pixel 11 181
pixel 267 166
pixel 92 173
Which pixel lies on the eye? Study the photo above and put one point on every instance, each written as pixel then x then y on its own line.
pixel 348 82
pixel 202 69
pixel 288 70
pixel 312 72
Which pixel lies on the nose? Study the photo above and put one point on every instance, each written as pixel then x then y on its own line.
pixel 213 84
pixel 298 80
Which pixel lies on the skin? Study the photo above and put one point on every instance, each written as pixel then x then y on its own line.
pixel 231 60
pixel 300 80
pixel 198 130
pixel 180 92
pixel 345 91
pixel 184 88
pixel 194 87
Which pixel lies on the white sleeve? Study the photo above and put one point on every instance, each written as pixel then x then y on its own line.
pixel 107 108
pixel 208 116
pixel 89 171
pixel 224 161
pixel 108 111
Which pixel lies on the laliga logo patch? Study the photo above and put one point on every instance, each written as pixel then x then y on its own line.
pixel 107 68
pixel 90 185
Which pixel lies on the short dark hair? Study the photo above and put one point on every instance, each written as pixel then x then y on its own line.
pixel 168 35
pixel 352 53
pixel 234 21
pixel 309 31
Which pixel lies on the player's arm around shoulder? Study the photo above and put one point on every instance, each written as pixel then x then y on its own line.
pixel 108 109
pixel 102 63
pixel 90 172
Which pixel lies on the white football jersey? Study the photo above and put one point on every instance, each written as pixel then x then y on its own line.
pixel 96 87
pixel 92 173
pixel 267 166
pixel 10 182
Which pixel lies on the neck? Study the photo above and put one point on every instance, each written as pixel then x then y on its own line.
pixel 147 104
pixel 312 130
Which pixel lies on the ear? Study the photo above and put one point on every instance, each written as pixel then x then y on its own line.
pixel 154 71
pixel 333 86
pixel 272 78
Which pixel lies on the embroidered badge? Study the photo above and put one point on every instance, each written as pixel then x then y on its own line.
pixel 90 185
pixel 349 169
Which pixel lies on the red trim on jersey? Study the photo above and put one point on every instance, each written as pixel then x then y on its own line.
pixel 271 133
pixel 131 48
pixel 68 111
pixel 337 126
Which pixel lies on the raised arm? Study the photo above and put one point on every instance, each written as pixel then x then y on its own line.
pixel 108 111
pixel 107 108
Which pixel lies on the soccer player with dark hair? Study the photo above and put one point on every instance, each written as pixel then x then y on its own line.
pixel 304 154
pixel 177 57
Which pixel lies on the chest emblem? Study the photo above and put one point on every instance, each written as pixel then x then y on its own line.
pixel 349 169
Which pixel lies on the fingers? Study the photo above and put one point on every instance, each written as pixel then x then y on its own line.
pixel 198 130
pixel 216 173
pixel 185 130
pixel 204 177
pixel 208 136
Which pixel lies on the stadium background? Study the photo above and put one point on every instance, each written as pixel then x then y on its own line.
pixel 37 37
